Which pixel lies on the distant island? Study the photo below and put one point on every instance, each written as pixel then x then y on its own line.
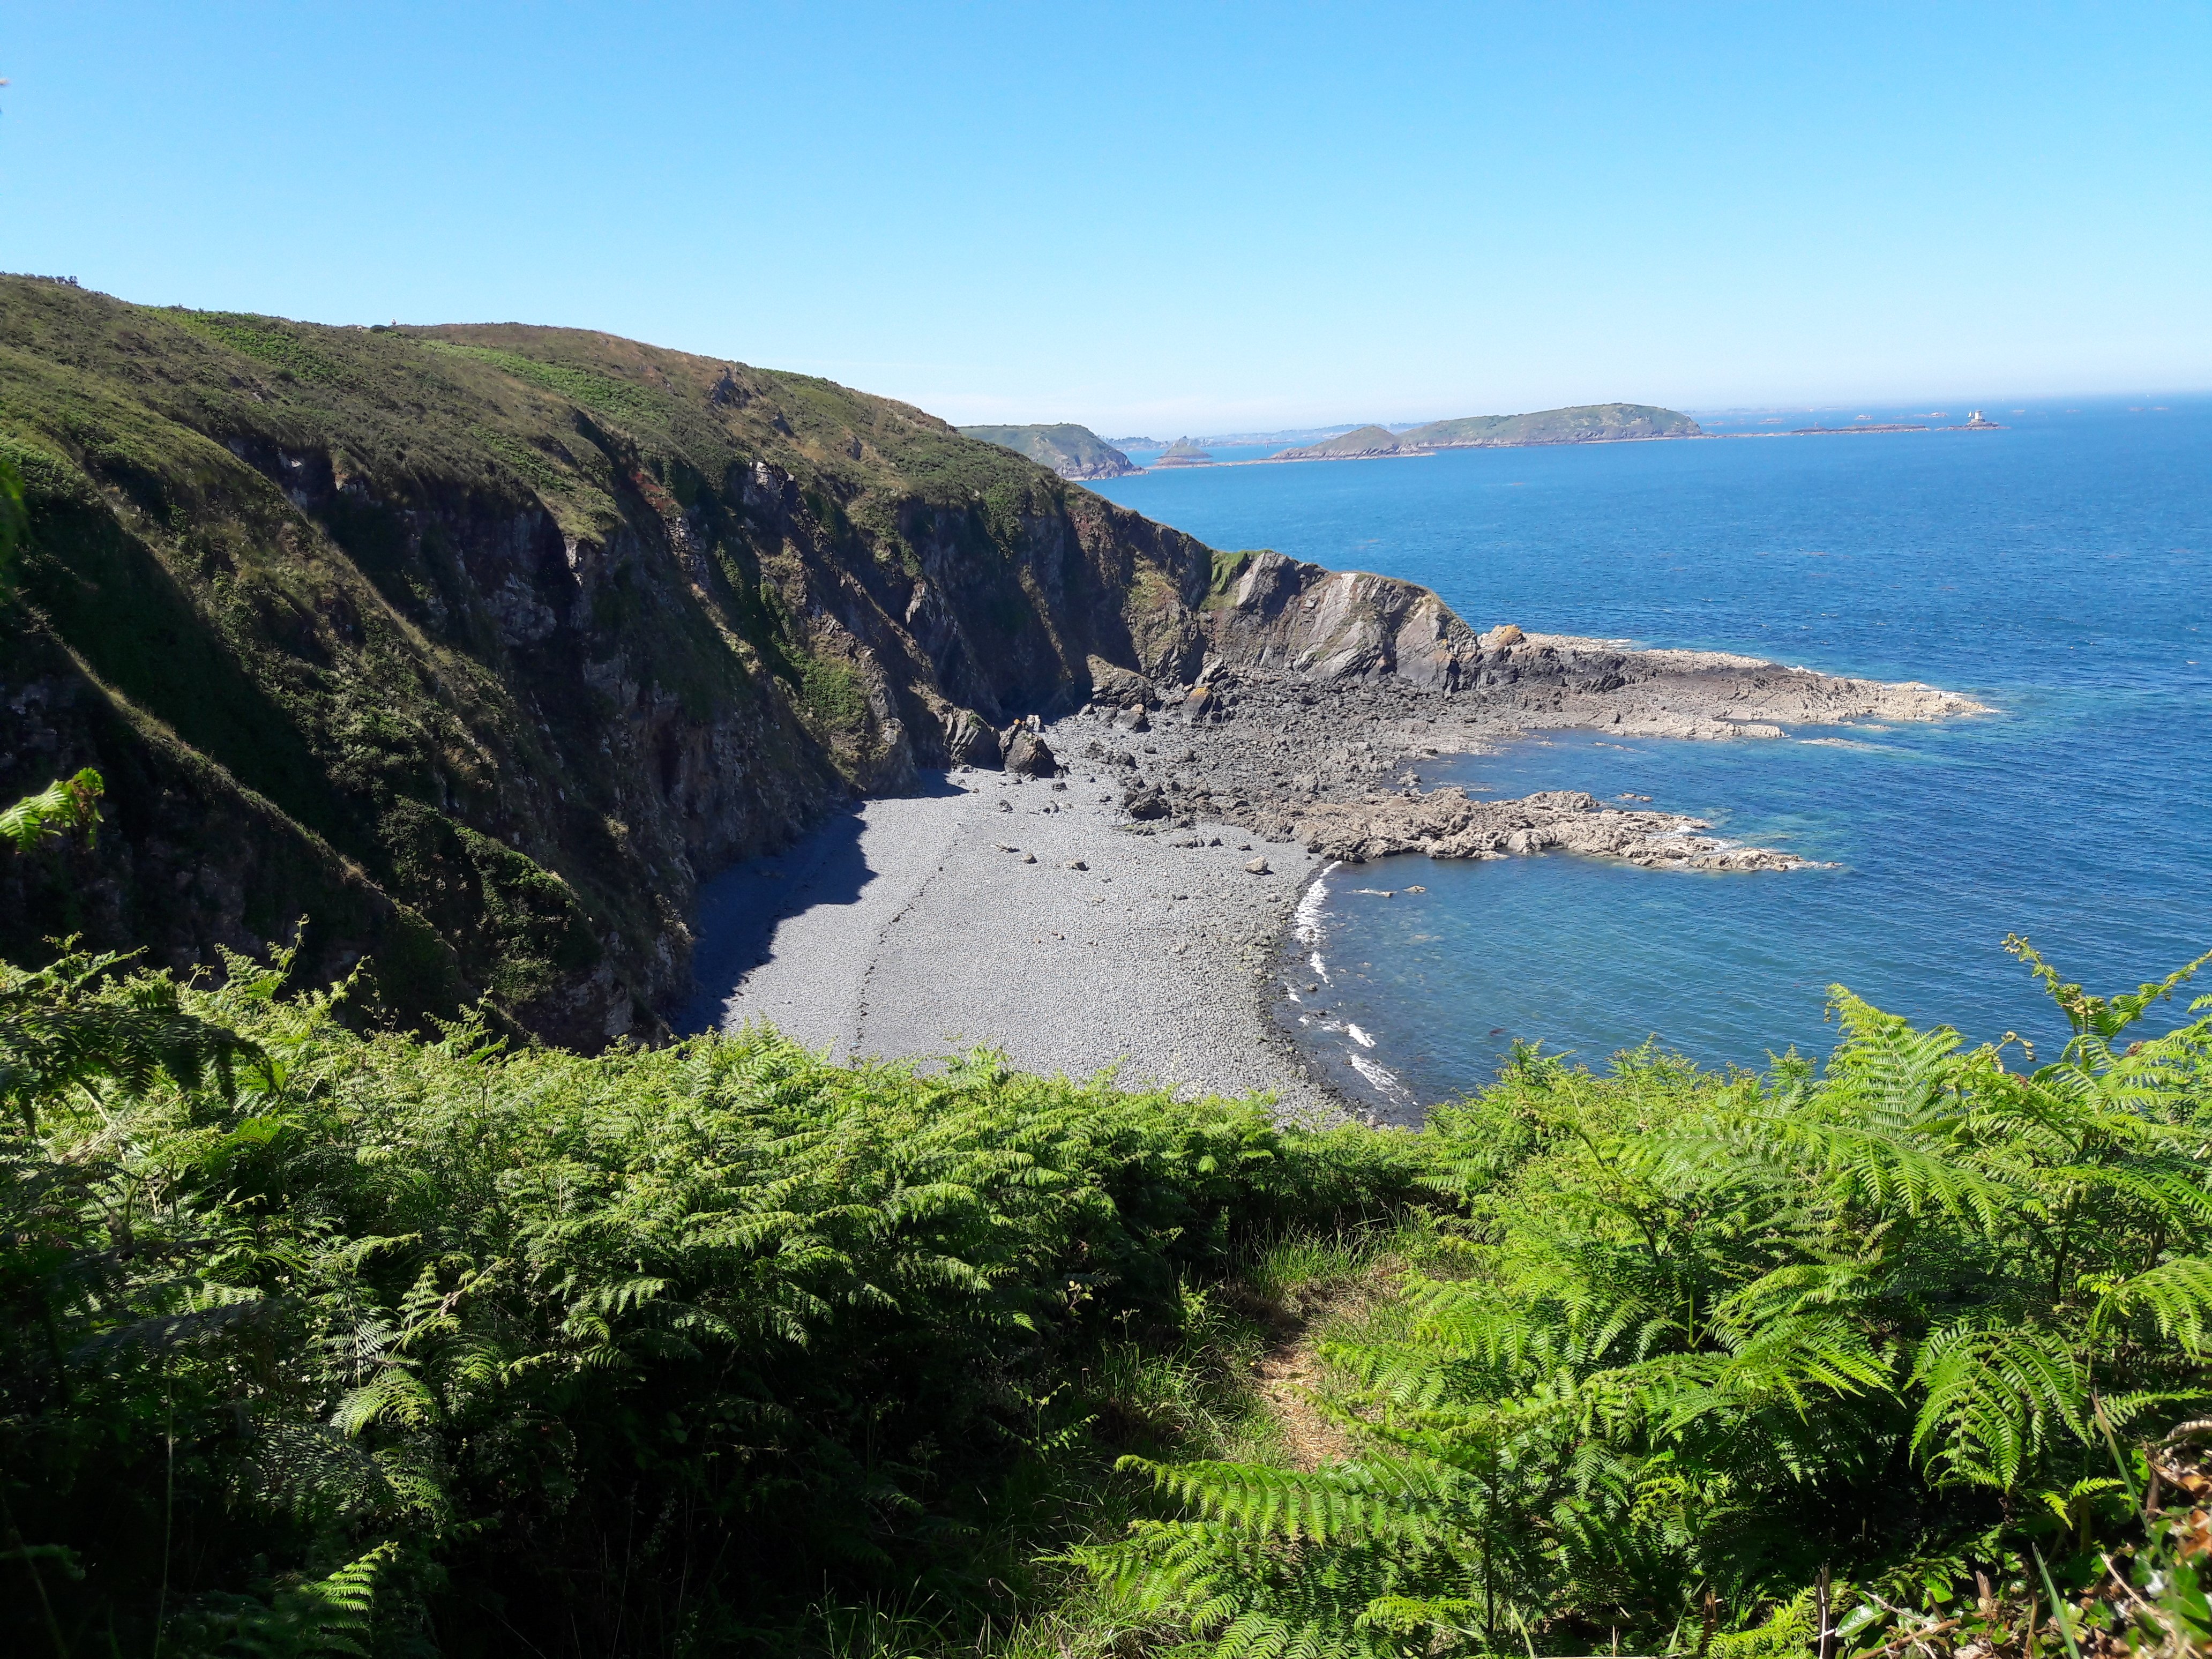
pixel 1076 452
pixel 1355 445
pixel 1073 451
pixel 1585 423
pixel 1183 452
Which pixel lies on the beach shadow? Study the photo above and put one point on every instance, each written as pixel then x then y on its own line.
pixel 739 911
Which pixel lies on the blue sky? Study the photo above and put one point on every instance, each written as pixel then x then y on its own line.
pixel 1170 218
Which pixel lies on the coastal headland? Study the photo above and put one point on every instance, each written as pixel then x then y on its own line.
pixel 1113 897
pixel 495 650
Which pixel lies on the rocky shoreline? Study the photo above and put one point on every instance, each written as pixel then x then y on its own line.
pixel 1337 768
pixel 1115 887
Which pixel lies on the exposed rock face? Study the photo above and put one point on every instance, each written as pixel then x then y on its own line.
pixel 969 741
pixel 1337 625
pixel 1335 764
pixel 1124 687
pixel 1287 620
pixel 1144 801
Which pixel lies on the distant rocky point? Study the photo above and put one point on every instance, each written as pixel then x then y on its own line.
pixel 1586 423
pixel 1356 445
pixel 1072 451
pixel 1183 452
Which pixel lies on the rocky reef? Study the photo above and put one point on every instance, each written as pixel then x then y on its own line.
pixel 1321 695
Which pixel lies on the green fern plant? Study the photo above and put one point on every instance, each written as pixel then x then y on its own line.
pixel 1709 1338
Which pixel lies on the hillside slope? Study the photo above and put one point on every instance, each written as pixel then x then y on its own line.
pixel 481 646
pixel 1072 451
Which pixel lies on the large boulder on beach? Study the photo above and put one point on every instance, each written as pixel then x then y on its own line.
pixel 1503 637
pixel 1029 757
pixel 1145 800
pixel 969 739
pixel 1112 683
pixel 1133 719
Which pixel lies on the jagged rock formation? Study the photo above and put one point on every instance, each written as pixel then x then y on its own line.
pixel 1282 613
pixel 1320 694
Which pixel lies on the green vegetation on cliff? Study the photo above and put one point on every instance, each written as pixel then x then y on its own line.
pixel 480 647
pixel 1072 451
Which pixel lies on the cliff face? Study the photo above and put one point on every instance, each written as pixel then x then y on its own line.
pixel 1280 614
pixel 480 647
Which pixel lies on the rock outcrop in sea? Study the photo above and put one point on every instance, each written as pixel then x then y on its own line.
pixel 1320 694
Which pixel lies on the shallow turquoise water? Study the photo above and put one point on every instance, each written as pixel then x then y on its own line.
pixel 2057 569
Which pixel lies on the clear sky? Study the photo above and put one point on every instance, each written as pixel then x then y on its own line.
pixel 1165 218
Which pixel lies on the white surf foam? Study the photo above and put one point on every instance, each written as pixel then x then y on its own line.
pixel 1385 1084
pixel 1305 921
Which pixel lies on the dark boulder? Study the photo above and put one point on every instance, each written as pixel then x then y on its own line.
pixel 1145 800
pixel 969 741
pixel 1028 756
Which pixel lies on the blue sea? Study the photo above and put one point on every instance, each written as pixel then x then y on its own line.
pixel 2060 570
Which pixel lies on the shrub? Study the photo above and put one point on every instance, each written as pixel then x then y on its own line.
pixel 648 1349
pixel 1718 1349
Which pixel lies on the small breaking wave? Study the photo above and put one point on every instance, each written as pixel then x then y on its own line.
pixel 1382 1080
pixel 1358 1036
pixel 1305 921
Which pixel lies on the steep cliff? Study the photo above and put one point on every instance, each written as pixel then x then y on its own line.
pixel 481 646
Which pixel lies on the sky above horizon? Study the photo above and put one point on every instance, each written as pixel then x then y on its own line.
pixel 1156 219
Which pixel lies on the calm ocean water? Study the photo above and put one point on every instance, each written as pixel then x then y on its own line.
pixel 2060 570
